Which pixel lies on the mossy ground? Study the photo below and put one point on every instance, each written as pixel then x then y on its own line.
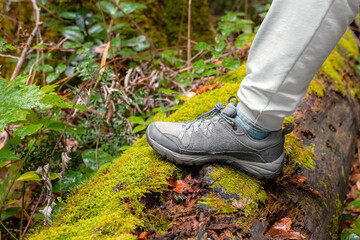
pixel 108 206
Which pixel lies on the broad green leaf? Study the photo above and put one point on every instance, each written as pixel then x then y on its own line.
pixel 123 148
pixel 88 157
pixel 73 33
pixel 138 128
pixel 96 29
pixel 32 176
pixel 5 46
pixel 52 99
pixel 230 63
pixel 184 75
pixel 348 235
pixel 9 213
pixel 52 77
pixel 71 44
pixel 60 68
pixel 48 88
pixel 68 15
pixel 138 43
pixel 199 66
pixel 108 7
pixel 210 72
pixel 168 55
pixel 16 98
pixel 136 120
pixel 202 46
pixel 26 130
pixel 129 7
pixel 45 68
pixel 59 127
pixel 220 46
pixel 72 179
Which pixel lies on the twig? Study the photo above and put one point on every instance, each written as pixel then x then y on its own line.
pixel 181 23
pixel 188 37
pixel 246 8
pixel 28 42
pixel 9 56
pixel 12 235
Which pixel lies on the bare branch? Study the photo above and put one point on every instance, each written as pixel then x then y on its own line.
pixel 28 42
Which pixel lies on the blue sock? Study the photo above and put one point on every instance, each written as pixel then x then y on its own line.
pixel 253 130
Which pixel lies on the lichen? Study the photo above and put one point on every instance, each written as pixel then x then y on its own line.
pixel 336 219
pixel 317 87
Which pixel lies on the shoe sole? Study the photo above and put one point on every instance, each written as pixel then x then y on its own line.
pixel 256 169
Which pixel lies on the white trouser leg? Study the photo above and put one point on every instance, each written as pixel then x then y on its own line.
pixel 292 43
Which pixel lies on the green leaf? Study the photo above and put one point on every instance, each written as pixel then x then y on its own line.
pixel 26 130
pixel 45 68
pixel 129 7
pixel 88 157
pixel 5 46
pixel 136 120
pixel 123 148
pixel 73 33
pixel 230 63
pixel 52 99
pixel 68 15
pixel 138 128
pixel 199 66
pixel 138 43
pixel 220 46
pixel 168 55
pixel 9 213
pixel 71 44
pixel 16 99
pixel 202 46
pixel 185 75
pixel 48 88
pixel 210 72
pixel 169 91
pixel 32 176
pixel 60 68
pixel 96 29
pixel 72 179
pixel 59 127
pixel 348 235
pixel 52 77
pixel 355 204
pixel 108 7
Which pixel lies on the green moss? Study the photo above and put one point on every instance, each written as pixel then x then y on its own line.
pixel 299 153
pixel 235 182
pixel 348 43
pixel 219 204
pixel 317 87
pixel 336 219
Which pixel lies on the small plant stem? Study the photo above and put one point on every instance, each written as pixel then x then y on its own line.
pixel 246 8
pixel 108 37
pixel 188 38
pixel 12 235
pixel 181 22
pixel 22 209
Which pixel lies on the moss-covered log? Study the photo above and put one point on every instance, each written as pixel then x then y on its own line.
pixel 133 194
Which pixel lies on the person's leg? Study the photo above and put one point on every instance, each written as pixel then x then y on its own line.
pixel 292 43
pixel 290 46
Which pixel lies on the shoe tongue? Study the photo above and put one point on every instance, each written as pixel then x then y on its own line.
pixel 230 110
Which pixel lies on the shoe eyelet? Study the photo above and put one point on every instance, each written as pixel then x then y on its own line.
pixel 235 127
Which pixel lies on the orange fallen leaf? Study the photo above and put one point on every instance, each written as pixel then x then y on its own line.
pixel 302 179
pixel 206 88
pixel 180 186
pixel 281 227
pixel 144 235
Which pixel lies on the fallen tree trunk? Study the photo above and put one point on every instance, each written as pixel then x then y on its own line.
pixel 142 194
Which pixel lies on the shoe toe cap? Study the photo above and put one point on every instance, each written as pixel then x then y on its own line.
pixel 154 133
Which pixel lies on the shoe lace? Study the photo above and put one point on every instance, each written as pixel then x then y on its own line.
pixel 216 111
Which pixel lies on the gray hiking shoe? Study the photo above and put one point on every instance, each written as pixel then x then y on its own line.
pixel 216 137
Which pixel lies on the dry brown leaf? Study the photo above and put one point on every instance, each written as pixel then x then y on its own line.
pixel 3 139
pixel 103 58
